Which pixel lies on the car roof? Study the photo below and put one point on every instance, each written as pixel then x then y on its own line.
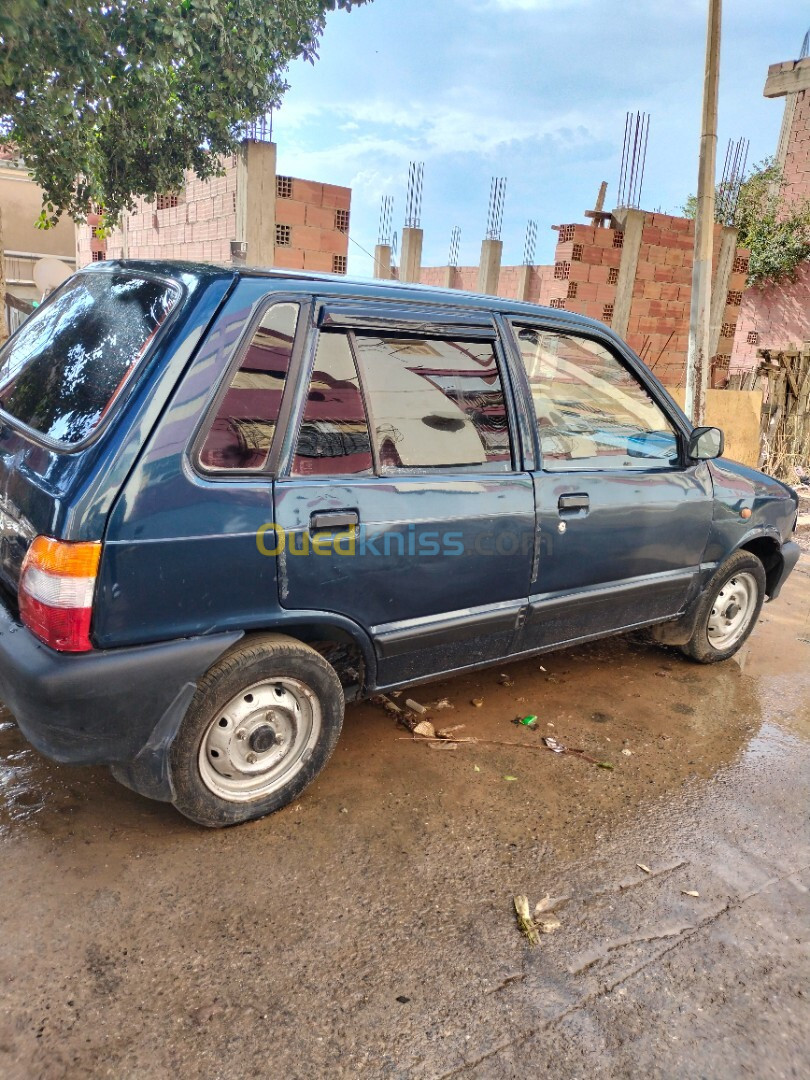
pixel 344 287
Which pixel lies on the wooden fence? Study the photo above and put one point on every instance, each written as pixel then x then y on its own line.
pixel 784 377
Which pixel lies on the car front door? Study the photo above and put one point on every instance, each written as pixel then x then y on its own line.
pixel 401 503
pixel 623 517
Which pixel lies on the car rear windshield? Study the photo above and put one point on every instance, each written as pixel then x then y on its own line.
pixel 62 370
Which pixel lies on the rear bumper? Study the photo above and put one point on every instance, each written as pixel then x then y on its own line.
pixel 100 707
pixel 790 556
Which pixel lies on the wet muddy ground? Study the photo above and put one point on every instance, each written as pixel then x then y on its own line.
pixel 368 930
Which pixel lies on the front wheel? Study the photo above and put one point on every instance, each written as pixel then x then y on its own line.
pixel 262 725
pixel 728 610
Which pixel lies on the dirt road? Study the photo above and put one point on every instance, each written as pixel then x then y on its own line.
pixel 368 930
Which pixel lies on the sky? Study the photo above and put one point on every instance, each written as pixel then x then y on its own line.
pixel 532 90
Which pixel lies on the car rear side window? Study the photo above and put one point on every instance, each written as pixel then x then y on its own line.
pixel 435 403
pixel 333 440
pixel 241 434
pixel 63 369
pixel 592 412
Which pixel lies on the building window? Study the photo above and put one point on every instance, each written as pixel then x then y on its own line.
pixel 734 299
pixel 613 275
pixel 166 202
pixel 283 235
pixel 562 271
pixel 573 289
pixel 753 337
pixel 284 187
pixel 556 303
pixel 338 264
pixel 342 220
pixel 607 313
pixel 577 252
pixel 618 239
pixel 97 256
pixel 566 233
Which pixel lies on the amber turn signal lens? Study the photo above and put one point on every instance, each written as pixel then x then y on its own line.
pixel 64 558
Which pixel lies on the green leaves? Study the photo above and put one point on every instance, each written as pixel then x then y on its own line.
pixel 110 100
pixel 773 226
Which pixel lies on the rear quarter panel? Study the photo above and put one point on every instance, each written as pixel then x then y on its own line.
pixel 180 555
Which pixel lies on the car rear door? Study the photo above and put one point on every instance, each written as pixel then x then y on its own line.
pixel 623 518
pixel 400 501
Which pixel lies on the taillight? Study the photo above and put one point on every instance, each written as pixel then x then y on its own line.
pixel 56 588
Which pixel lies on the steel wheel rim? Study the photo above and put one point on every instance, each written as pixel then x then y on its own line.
pixel 732 611
pixel 260 740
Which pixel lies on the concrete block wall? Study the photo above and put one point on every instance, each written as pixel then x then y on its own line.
pixel 313 212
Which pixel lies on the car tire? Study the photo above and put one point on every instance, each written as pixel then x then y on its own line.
pixel 728 609
pixel 261 726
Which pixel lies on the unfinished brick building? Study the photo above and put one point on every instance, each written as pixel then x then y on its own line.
pixel 248 215
pixel 635 275
pixel 777 316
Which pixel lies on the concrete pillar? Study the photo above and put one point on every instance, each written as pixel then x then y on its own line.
pixel 256 202
pixel 722 276
pixel 410 262
pixel 631 223
pixel 382 262
pixel 524 282
pixel 447 280
pixel 785 132
pixel 489 269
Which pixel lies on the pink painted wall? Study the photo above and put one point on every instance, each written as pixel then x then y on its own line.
pixel 778 315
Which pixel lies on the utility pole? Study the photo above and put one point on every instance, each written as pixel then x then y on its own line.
pixel 3 319
pixel 697 364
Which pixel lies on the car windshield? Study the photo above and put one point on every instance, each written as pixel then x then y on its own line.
pixel 62 370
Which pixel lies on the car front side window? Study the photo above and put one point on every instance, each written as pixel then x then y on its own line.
pixel 591 410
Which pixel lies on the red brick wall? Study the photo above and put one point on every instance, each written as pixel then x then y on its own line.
pixel 201 227
pixel 311 212
pixel 658 326
pixel 466 278
pixel 797 158
pixel 584 279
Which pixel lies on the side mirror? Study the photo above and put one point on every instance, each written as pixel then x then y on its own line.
pixel 706 443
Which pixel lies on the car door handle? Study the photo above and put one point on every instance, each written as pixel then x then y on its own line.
pixel 333 519
pixel 572 503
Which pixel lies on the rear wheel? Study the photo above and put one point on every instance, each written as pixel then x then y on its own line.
pixel 728 610
pixel 262 725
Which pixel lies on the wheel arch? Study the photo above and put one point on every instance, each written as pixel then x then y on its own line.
pixel 768 549
pixel 342 642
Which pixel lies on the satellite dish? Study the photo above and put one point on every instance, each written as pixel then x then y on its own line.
pixel 49 273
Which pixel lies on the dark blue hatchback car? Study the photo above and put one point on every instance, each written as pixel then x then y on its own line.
pixel 232 500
